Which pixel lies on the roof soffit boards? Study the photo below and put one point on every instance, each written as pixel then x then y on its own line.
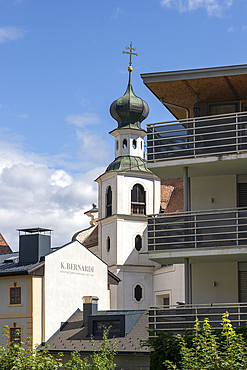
pixel 211 84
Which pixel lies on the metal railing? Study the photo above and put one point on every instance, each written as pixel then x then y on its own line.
pixel 195 137
pixel 181 318
pixel 201 229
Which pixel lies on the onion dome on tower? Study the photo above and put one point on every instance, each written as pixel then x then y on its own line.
pixel 129 111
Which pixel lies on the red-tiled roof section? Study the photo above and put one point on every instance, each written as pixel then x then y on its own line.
pixel 92 239
pixel 172 197
pixel 4 248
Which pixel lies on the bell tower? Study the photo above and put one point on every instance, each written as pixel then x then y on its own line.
pixel 127 192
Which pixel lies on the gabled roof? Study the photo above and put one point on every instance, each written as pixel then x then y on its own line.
pixel 172 197
pixel 73 336
pixel 12 268
pixel 4 248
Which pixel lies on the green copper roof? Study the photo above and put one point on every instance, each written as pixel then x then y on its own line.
pixel 128 163
pixel 129 110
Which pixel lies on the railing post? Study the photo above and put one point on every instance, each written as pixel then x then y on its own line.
pixel 194 137
pixel 195 230
pixel 237 132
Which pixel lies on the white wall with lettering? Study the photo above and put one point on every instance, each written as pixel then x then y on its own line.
pixel 72 272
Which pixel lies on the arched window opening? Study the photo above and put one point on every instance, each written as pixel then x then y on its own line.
pixel 141 145
pixel 138 243
pixel 109 202
pixel 138 200
pixel 138 293
pixel 117 145
pixel 125 144
pixel 108 244
pixel 134 144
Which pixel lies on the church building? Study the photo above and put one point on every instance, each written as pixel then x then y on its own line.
pixel 127 192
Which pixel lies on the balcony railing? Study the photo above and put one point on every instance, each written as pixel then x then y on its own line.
pixel 195 137
pixel 202 229
pixel 181 318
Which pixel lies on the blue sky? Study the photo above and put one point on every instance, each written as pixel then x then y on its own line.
pixel 61 66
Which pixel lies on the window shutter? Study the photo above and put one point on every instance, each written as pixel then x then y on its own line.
pixel 242 286
pixel 242 194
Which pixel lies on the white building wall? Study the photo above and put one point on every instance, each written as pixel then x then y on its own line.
pixel 224 274
pixel 221 189
pixel 168 281
pixel 65 285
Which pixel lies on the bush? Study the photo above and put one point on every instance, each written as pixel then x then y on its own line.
pixel 205 349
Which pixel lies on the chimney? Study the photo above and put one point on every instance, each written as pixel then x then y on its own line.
pixel 34 244
pixel 90 307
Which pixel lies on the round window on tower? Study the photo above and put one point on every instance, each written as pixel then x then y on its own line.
pixel 117 145
pixel 108 244
pixel 134 144
pixel 125 144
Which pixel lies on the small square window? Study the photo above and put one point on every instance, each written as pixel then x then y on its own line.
pixel 15 295
pixel 15 335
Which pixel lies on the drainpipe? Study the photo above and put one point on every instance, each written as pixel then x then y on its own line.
pixel 176 106
pixel 186 260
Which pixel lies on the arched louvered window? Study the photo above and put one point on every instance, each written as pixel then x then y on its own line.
pixel 138 200
pixel 109 202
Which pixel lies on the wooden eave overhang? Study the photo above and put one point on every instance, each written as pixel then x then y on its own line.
pixel 212 85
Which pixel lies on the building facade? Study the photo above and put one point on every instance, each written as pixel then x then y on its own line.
pixel 206 144
pixel 41 288
pixel 127 192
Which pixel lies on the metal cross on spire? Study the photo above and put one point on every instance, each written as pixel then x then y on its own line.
pixel 130 54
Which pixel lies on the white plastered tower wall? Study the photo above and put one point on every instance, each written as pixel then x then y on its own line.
pixel 124 224
pixel 131 266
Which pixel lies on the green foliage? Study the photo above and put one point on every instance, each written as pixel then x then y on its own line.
pixel 204 349
pixel 15 355
pixel 101 359
pixel 20 356
pixel 209 351
pixel 162 347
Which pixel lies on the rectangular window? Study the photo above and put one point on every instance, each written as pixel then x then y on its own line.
pixel 222 109
pixel 15 335
pixel 15 293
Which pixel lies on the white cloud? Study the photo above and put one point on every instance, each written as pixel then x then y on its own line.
pixel 32 193
pixel 117 13
pixel 231 29
pixel 21 115
pixel 11 33
pixel 213 7
pixel 92 147
pixel 83 101
pixel 83 119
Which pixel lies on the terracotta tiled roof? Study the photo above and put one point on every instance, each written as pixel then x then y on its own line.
pixel 4 248
pixel 172 197
pixel 92 238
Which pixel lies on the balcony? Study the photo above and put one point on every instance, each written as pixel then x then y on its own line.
pixel 181 318
pixel 195 232
pixel 188 140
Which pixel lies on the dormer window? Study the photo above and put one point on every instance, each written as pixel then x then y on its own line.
pixel 138 200
pixel 109 202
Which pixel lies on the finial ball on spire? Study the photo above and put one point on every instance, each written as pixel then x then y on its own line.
pixel 130 69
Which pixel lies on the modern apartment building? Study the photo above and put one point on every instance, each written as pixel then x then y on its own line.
pixel 206 144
